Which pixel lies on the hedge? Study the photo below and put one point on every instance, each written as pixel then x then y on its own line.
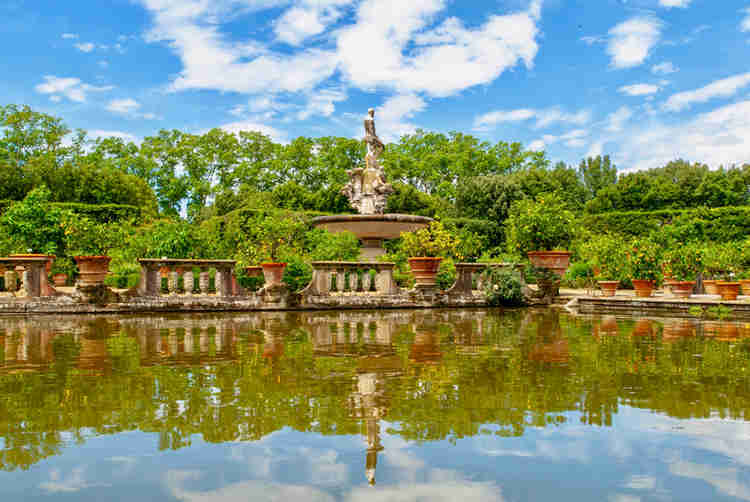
pixel 718 224
pixel 493 231
pixel 103 213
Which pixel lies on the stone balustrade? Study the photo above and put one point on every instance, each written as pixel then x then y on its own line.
pixel 150 285
pixel 330 277
pixel 35 283
pixel 469 274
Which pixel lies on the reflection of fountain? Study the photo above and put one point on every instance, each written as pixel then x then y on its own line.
pixel 368 192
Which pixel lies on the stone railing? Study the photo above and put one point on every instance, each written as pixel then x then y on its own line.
pixel 151 269
pixel 469 274
pixel 330 277
pixel 34 279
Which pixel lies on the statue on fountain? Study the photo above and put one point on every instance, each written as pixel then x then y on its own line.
pixel 367 189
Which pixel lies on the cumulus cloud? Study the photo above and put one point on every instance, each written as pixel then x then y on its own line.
pixel 719 137
pixel 719 89
pixel 639 89
pixel 70 87
pixel 322 102
pixel 631 42
pixel 542 118
pixel 393 116
pixel 403 54
pixel 675 3
pixel 123 106
pixel 616 120
pixel 664 68
pixel 745 24
pixel 85 46
pixel 307 19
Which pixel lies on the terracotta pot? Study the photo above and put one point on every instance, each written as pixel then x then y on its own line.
pixel 425 269
pixel 643 288
pixel 609 288
pixel 273 273
pixel 60 279
pixel 729 290
pixel 557 261
pixel 50 259
pixel 682 289
pixel 745 286
pixel 93 270
pixel 643 327
pixel 609 325
pixel 254 271
pixel 721 330
pixel 711 287
pixel 678 329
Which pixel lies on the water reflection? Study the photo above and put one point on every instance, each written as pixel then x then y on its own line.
pixel 419 377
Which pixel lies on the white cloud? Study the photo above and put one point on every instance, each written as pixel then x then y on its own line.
pixel 745 24
pixel 71 88
pixel 85 46
pixel 616 120
pixel 322 102
pixel 664 68
pixel 719 137
pixel 250 125
pixel 392 117
pixel 125 136
pixel 307 19
pixel 69 36
pixel 631 42
pixel 675 3
pixel 719 89
pixel 543 118
pixel 390 47
pixel 123 106
pixel 639 89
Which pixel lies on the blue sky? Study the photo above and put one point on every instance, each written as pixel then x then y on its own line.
pixel 645 81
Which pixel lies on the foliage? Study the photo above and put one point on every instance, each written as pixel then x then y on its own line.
pixel 325 246
pixel 721 259
pixel 644 260
pixel 85 237
pixel 297 274
pixel 597 173
pixel 433 240
pixel 488 197
pixel 446 276
pixel 502 287
pixel 579 275
pixel 544 224
pixel 682 262
pixel 607 255
pixel 35 226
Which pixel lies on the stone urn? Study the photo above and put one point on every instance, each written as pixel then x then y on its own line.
pixel 254 271
pixel 682 289
pixel 425 269
pixel 711 287
pixel 729 291
pixel 93 270
pixel 643 288
pixel 273 273
pixel 557 261
pixel 60 279
pixel 609 288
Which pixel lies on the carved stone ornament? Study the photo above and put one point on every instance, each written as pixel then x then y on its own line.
pixel 367 189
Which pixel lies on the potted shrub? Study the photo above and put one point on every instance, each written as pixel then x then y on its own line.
pixel 719 260
pixel 542 229
pixel 274 235
pixel 606 255
pixel 682 263
pixel 426 248
pixel 88 243
pixel 644 263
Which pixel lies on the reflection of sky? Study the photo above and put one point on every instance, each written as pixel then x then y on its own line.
pixel 643 456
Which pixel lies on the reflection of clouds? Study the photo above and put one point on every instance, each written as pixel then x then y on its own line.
pixel 435 490
pixel 621 497
pixel 126 464
pixel 724 480
pixel 72 483
pixel 243 491
pixel 641 483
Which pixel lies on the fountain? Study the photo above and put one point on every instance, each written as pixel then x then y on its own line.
pixel 368 192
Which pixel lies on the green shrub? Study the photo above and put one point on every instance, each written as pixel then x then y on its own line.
pixel 446 275
pixel 544 224
pixel 502 288
pixel 297 274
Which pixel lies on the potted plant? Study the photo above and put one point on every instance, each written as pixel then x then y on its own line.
pixel 61 271
pixel 274 235
pixel 542 229
pixel 426 248
pixel 682 263
pixel 606 255
pixel 88 243
pixel 644 260
pixel 718 260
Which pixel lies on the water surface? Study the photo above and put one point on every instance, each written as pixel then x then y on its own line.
pixel 374 406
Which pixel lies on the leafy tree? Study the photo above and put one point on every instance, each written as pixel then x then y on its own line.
pixel 36 225
pixel 597 173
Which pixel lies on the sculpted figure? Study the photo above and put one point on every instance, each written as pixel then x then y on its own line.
pixel 367 189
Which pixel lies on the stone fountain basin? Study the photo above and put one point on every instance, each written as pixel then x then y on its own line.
pixel 372 226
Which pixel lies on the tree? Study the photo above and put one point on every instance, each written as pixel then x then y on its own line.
pixel 597 173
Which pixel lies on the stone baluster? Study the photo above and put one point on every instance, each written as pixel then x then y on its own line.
pixel 150 280
pixel 172 341
pixel 173 281
pixel 11 281
pixel 340 280
pixel 218 282
pixel 203 281
pixel 366 281
pixel 188 281
pixel 189 337
pixel 224 281
pixel 384 282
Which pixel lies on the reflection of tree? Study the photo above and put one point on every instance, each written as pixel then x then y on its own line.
pixel 433 375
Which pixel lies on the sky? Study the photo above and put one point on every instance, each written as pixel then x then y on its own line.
pixel 645 81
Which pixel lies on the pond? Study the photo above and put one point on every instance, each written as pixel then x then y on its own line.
pixel 374 406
